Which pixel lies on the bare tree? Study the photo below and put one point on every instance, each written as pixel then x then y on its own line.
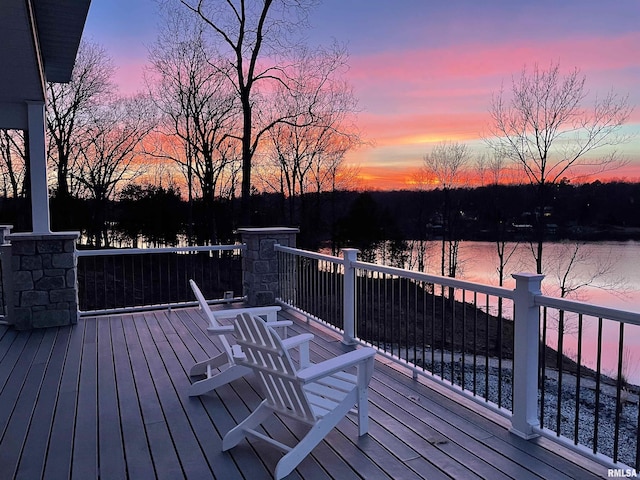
pixel 420 255
pixel 200 109
pixel 495 167
pixel 68 106
pixel 308 150
pixel 445 168
pixel 255 38
pixel 544 127
pixel 575 266
pixel 481 165
pixel 109 157
pixel 336 136
pixel 489 169
pixel 13 166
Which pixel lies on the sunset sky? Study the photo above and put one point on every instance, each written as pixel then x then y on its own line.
pixel 424 72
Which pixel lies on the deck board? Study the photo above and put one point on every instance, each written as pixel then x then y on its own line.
pixel 107 398
pixel 34 453
pixel 135 447
pixel 447 437
pixel 109 432
pixel 164 456
pixel 85 442
pixel 59 452
pixel 27 377
pixel 468 420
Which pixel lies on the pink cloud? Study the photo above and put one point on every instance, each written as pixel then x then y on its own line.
pixel 373 177
pixel 462 77
pixel 473 60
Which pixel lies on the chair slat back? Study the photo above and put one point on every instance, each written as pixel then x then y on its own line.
pixel 204 306
pixel 273 366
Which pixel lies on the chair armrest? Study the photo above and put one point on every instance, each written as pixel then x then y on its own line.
pixel 238 354
pixel 225 329
pixel 301 341
pixel 296 341
pixel 270 312
pixel 220 330
pixel 336 364
pixel 280 323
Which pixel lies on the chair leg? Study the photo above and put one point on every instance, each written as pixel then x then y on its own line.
pixel 200 368
pixel 232 373
pixel 363 411
pixel 239 432
pixel 313 437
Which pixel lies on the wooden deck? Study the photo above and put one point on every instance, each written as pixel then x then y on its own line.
pixel 106 399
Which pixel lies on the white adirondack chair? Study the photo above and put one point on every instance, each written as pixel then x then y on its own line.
pixel 223 368
pixel 319 395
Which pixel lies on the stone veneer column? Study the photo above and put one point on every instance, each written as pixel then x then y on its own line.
pixel 5 271
pixel 260 262
pixel 44 271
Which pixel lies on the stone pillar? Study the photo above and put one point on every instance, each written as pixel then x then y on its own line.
pixel 5 272
pixel 260 262
pixel 44 280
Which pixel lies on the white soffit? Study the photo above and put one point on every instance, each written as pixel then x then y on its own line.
pixel 38 40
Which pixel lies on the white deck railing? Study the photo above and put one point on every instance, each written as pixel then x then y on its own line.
pixel 122 280
pixel 511 350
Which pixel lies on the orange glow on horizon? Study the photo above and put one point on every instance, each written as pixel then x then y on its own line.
pixel 382 178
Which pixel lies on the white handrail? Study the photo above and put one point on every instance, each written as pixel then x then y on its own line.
pixel 411 274
pixel 138 251
pixel 307 254
pixel 437 279
pixel 589 309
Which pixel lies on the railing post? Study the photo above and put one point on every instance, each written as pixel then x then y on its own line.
pixel 6 280
pixel 525 355
pixel 349 296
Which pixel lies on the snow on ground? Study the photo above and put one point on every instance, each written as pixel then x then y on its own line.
pixel 568 405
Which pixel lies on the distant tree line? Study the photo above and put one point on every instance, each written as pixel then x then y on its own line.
pixel 160 215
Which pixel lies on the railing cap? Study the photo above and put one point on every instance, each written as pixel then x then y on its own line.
pixel 44 236
pixel 350 253
pixel 527 276
pixel 267 230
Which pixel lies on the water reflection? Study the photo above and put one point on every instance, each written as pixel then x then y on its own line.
pixel 606 273
pixel 616 285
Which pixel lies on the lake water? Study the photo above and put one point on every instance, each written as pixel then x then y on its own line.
pixel 608 274
pixel 611 269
